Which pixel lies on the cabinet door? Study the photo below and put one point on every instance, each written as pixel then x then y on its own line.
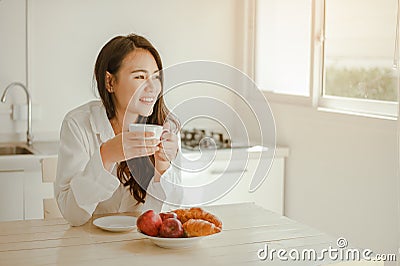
pixel 11 196
pixel 34 193
pixel 223 174
pixel 240 192
pixel 22 194
pixel 270 195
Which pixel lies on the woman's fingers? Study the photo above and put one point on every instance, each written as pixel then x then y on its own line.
pixel 167 127
pixel 142 139
pixel 139 144
pixel 168 148
pixel 168 145
pixel 169 136
pixel 142 142
pixel 138 135
pixel 140 152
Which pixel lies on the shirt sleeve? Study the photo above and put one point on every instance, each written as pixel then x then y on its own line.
pixel 81 182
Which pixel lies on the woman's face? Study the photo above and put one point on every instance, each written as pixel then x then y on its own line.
pixel 137 84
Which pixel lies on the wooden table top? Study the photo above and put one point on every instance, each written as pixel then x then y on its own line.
pixel 246 229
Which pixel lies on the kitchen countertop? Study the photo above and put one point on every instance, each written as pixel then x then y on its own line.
pixel 46 148
pixel 50 148
pixel 251 152
pixel 28 162
pixel 42 149
pixel 39 148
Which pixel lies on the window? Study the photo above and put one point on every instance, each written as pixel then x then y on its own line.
pixel 339 54
pixel 282 47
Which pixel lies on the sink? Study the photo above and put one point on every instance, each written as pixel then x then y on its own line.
pixel 14 150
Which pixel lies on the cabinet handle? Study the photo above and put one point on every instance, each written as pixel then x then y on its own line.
pixel 227 171
pixel 11 170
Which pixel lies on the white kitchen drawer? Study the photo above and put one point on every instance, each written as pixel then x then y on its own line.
pixel 269 195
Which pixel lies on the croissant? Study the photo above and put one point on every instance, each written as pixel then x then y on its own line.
pixel 182 215
pixel 197 213
pixel 198 227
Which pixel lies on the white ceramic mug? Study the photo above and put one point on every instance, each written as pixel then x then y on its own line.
pixel 156 129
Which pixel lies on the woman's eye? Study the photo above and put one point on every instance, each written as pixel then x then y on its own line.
pixel 157 77
pixel 140 77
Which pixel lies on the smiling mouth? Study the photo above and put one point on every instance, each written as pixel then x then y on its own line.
pixel 147 100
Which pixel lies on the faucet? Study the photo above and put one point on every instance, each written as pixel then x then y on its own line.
pixel 29 136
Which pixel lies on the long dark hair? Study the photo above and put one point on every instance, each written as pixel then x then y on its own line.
pixel 135 173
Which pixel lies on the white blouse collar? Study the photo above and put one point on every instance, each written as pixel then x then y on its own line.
pixel 100 124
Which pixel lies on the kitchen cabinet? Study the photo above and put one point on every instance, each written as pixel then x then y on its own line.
pixel 34 193
pixel 11 195
pixel 21 188
pixel 269 195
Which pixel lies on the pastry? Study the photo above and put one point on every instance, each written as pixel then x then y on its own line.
pixel 197 213
pixel 198 227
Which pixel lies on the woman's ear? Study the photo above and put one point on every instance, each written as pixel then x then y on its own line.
pixel 109 82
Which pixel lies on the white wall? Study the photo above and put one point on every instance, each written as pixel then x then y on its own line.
pixel 342 171
pixel 65 37
pixel 12 60
pixel 341 174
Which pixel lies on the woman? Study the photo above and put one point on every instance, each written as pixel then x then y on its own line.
pixel 103 168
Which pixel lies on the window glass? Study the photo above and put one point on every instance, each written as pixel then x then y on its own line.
pixel 359 49
pixel 282 46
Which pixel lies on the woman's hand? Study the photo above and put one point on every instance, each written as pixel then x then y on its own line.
pixel 128 145
pixel 167 152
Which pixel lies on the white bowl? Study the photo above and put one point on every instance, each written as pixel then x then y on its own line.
pixel 175 243
pixel 156 129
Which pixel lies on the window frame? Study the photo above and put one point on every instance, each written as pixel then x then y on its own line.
pixel 316 100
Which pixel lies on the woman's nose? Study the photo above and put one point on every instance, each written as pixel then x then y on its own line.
pixel 151 85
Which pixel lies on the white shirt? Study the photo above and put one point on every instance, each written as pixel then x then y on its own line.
pixel 83 187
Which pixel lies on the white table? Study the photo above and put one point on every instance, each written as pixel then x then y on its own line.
pixel 246 229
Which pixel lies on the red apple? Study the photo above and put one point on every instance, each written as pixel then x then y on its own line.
pixel 149 223
pixel 172 228
pixel 166 215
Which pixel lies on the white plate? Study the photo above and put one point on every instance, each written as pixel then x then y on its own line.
pixel 116 223
pixel 175 243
